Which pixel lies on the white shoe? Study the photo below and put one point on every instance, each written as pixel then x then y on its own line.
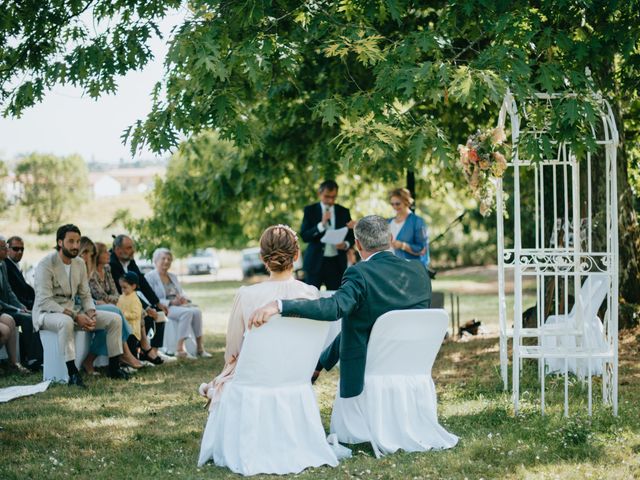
pixel 166 357
pixel 185 355
pixel 204 354
pixel 147 363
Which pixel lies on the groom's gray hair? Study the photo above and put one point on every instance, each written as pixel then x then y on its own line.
pixel 373 233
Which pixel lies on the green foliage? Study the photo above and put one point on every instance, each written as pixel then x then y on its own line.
pixel 307 90
pixel 52 186
pixel 51 42
pixel 3 175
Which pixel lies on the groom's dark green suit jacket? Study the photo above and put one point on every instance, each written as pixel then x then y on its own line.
pixel 369 289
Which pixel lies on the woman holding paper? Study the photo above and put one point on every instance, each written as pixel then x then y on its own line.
pixel 409 231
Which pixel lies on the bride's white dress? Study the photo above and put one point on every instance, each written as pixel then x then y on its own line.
pixel 252 426
pixel 247 300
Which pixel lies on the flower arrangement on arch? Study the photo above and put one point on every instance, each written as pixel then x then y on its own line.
pixel 483 159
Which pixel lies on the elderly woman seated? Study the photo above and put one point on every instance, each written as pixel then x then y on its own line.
pixel 167 287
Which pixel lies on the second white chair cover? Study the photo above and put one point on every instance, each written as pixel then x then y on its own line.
pixel 592 293
pixel 398 406
pixel 268 420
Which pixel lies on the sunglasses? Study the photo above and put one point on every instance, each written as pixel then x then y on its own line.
pixel 17 249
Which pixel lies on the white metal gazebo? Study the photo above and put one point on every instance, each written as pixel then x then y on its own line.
pixel 558 244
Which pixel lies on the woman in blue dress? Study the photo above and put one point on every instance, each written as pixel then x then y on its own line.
pixel 410 236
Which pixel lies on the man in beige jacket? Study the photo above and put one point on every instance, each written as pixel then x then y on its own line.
pixel 61 277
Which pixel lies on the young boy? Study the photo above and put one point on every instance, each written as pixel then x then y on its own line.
pixel 131 308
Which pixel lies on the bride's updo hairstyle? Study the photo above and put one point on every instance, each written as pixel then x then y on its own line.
pixel 278 247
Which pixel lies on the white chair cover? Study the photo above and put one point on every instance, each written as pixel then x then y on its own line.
pixel 54 367
pixel 398 406
pixel 170 339
pixel 592 293
pixel 268 420
pixel 334 327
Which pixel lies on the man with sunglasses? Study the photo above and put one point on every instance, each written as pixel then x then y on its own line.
pixel 19 285
pixel 30 345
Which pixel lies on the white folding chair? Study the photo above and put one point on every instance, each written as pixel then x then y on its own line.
pixel 398 407
pixel 268 420
pixel 54 367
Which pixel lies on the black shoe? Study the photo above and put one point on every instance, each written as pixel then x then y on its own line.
pixel 144 355
pixel 34 365
pixel 118 374
pixel 76 379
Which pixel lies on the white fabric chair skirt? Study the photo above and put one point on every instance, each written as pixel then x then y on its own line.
pixel 592 293
pixel 397 409
pixel 54 367
pixel 268 420
pixel 170 339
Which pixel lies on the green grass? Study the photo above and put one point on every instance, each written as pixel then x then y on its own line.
pixel 150 427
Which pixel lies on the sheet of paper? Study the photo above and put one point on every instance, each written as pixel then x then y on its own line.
pixel 334 237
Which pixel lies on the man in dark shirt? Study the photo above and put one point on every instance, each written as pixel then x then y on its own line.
pixel 19 285
pixel 11 304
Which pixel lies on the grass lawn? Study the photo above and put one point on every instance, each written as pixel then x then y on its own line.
pixel 150 427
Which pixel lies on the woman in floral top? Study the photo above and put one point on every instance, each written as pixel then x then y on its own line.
pixel 103 287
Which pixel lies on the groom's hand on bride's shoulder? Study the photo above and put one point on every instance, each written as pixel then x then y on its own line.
pixel 261 315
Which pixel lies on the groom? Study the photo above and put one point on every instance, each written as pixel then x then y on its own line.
pixel 379 284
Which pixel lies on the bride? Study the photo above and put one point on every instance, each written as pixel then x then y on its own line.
pixel 278 250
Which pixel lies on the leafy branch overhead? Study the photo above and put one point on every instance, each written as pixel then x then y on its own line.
pixel 312 89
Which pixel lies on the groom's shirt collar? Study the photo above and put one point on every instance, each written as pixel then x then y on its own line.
pixel 373 255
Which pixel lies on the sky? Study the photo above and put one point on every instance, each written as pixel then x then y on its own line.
pixel 66 122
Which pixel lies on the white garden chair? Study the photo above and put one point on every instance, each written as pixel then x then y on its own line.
pixel 398 406
pixel 267 419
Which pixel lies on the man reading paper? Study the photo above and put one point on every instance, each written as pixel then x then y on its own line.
pixel 324 263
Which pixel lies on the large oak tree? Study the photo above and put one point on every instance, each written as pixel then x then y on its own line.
pixel 306 89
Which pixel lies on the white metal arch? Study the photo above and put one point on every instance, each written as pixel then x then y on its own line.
pixel 563 260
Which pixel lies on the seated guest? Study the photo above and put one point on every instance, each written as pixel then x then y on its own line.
pixel 30 346
pixel 103 286
pixel 278 250
pixel 167 288
pixel 99 341
pixel 60 277
pixel 409 232
pixel 8 334
pixel 19 285
pixel 131 307
pixel 121 261
pixel 381 282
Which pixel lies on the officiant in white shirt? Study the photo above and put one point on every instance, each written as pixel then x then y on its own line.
pixel 324 263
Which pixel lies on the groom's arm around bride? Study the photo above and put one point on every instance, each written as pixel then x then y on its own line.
pixel 381 283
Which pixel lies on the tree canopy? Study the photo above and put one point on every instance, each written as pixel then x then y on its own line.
pixel 307 90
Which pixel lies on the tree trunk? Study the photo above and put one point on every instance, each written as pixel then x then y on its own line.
pixel 411 186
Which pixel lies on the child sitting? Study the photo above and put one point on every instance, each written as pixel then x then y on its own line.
pixel 131 308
